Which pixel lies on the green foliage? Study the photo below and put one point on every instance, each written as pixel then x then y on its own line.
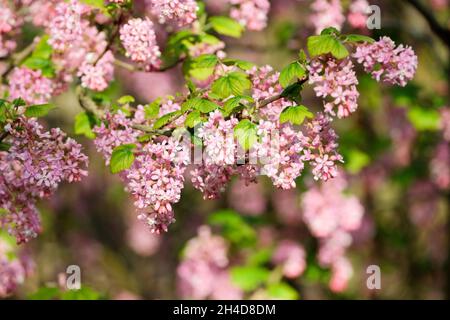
pixel 356 38
pixel 84 122
pixel 226 26
pixel 53 293
pixel 424 119
pixel 326 44
pixel 166 119
pixel 242 64
pixel 152 109
pixel 233 83
pixel 282 291
pixel 249 278
pixel 291 73
pixel 200 104
pixel 234 228
pixel 201 67
pixel 40 58
pixel 246 133
pixel 295 114
pixel 356 160
pixel 122 158
pixel 235 104
pixel 38 110
pixel 293 92
pixel 193 118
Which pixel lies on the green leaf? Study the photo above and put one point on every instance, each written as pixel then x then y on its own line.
pixel 84 293
pixel 242 64
pixel 152 110
pixel 234 102
pixel 355 38
pixel 165 119
pixel 291 73
pixel 202 67
pixel 233 83
pixel 234 228
pixel 226 26
pixel 122 158
pixel 40 58
pixel 4 146
pixel 126 100
pixel 356 160
pixel 193 118
pixel 246 133
pixel 295 114
pixel 324 44
pixel 330 31
pixel 200 104
pixel 249 278
pixel 19 102
pixel 282 291
pixel 38 110
pixel 45 293
pixel 424 119
pixel 293 92
pixel 83 125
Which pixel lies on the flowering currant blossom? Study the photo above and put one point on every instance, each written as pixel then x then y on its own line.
pixel 65 28
pixel 139 40
pixel 96 76
pixel 35 164
pixel 335 80
pixel 250 13
pixel 331 216
pixel 203 272
pixel 30 85
pixel 9 23
pixel 386 62
pixel 326 13
pixel 178 12
pixel 291 257
pixel 14 267
pixel 357 15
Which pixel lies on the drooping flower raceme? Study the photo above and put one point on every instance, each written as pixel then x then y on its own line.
pixel 357 15
pixel 30 85
pixel 335 81
pixel 178 12
pixel 387 62
pixel 33 167
pixel 139 40
pixel 250 13
pixel 326 13
pixel 203 272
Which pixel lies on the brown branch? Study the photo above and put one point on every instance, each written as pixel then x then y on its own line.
pixel 87 103
pixel 18 58
pixel 441 32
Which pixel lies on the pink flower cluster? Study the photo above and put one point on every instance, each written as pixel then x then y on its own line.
pixel 139 40
pixel 14 267
pixel 97 76
pixel 331 216
pixel 321 148
pixel 326 13
pixel 247 199
pixel 386 62
pixel 65 28
pixel 250 13
pixel 291 257
pixel 203 271
pixel 36 163
pixel 30 85
pixel 9 23
pixel 335 80
pixel 178 12
pixel 357 15
pixel 440 166
pixel 155 179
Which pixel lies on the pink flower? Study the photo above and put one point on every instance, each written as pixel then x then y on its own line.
pixel 178 12
pixel 97 76
pixel 291 257
pixel 386 62
pixel 326 13
pixel 357 16
pixel 250 13
pixel 139 40
pixel 30 85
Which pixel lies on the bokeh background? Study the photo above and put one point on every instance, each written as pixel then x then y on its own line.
pixel 396 166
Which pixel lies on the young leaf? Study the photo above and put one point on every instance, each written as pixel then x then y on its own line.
pixel 233 83
pixel 38 110
pixel 323 44
pixel 246 133
pixel 291 73
pixel 165 119
pixel 200 104
pixel 126 100
pixel 234 102
pixel 193 118
pixel 242 64
pixel 354 38
pixel 282 291
pixel 83 125
pixel 226 26
pixel 295 114
pixel 122 158
pixel 249 278
pixel 152 109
